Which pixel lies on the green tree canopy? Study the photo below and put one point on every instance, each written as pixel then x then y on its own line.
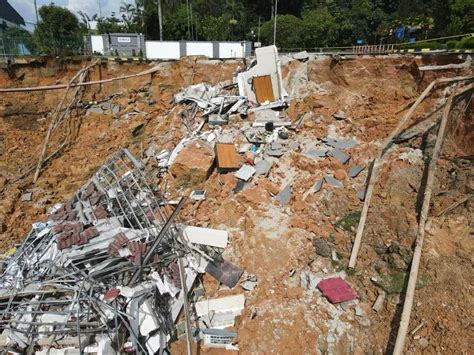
pixel 301 23
pixel 58 32
pixel 290 31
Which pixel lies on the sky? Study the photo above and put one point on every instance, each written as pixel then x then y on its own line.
pixel 26 8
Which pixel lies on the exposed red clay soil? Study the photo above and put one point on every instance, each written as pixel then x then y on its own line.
pixel 272 241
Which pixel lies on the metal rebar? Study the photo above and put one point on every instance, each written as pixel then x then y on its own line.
pixel 157 240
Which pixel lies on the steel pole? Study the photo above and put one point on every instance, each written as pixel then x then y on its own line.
pixel 275 23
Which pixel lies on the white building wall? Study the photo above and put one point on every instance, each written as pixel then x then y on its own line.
pixel 162 50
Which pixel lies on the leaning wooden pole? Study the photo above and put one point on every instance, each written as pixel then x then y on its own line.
pixel 55 119
pixel 379 160
pixel 415 264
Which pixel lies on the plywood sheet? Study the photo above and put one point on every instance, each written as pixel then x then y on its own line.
pixel 263 88
pixel 227 157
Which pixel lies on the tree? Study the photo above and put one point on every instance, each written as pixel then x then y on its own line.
pixel 131 17
pixel 290 31
pixel 213 28
pixel 320 28
pixel 58 32
pixel 301 23
pixel 110 25
pixel 461 13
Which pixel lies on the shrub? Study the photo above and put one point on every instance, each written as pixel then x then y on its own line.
pixel 451 44
pixel 466 43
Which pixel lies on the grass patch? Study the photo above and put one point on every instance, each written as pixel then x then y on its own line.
pixel 349 221
pixel 395 282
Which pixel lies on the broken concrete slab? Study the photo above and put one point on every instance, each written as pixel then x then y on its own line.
pixel 262 167
pixel 340 155
pixel 193 164
pixel 355 170
pixel 284 196
pixel 275 149
pixel 239 186
pixel 206 236
pixel 333 182
pixel 415 131
pixel 112 107
pixel 317 153
pixel 318 185
pixel 377 307
pixel 301 56
pixel 216 119
pixel 340 143
pixel 199 93
pixel 221 312
pixel 95 109
pixel 250 283
pixel 361 194
pixel 26 196
pixel 268 116
pixel 245 173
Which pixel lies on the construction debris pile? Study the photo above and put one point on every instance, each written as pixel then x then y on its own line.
pixel 110 271
pixel 314 194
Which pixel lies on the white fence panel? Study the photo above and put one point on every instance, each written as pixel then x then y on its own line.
pixel 162 50
pixel 231 50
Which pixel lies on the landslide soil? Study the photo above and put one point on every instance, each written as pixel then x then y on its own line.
pixel 271 241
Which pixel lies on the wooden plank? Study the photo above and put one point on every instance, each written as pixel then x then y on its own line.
pixel 227 157
pixel 263 88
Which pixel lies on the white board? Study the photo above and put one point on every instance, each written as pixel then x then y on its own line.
pixel 206 236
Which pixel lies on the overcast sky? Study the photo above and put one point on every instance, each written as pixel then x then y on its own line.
pixel 26 8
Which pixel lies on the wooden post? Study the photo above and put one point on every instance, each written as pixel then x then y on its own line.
pixel 415 264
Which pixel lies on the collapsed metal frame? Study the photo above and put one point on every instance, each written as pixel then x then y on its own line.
pixel 71 289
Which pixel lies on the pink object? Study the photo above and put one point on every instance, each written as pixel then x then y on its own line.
pixel 111 294
pixel 336 290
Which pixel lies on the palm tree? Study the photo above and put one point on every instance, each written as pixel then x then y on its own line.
pixel 85 19
pixel 128 12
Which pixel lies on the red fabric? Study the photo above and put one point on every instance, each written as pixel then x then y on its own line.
pixel 336 290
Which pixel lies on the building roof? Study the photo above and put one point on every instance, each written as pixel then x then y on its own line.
pixel 8 13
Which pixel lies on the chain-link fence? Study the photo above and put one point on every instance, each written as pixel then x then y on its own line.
pixel 14 45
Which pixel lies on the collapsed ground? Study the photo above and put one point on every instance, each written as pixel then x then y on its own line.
pixel 313 234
